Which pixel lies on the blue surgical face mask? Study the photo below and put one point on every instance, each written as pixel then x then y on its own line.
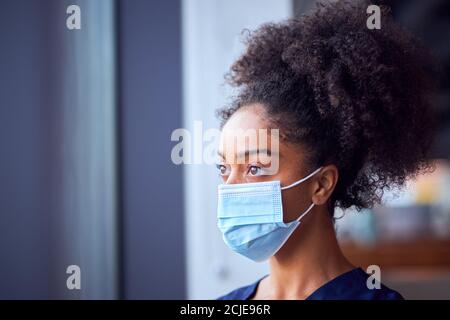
pixel 250 216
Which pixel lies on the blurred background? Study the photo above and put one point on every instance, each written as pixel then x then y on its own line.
pixel 86 176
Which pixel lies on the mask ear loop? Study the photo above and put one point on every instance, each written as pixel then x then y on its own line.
pixel 301 180
pixel 297 183
pixel 304 213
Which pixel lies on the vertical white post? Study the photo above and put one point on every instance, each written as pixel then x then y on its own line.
pixel 211 41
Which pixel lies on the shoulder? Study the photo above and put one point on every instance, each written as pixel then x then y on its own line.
pixel 242 293
pixel 348 286
pixel 353 285
pixel 380 292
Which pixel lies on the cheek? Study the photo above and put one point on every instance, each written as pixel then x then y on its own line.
pixel 295 202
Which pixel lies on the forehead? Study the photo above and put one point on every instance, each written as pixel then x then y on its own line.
pixel 248 117
pixel 247 131
pixel 244 124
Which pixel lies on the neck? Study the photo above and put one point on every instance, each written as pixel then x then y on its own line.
pixel 310 258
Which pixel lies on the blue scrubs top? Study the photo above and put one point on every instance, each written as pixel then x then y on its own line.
pixel 347 286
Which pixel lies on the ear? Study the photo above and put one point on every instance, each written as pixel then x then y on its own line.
pixel 325 184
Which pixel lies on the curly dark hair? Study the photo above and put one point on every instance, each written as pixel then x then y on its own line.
pixel 354 97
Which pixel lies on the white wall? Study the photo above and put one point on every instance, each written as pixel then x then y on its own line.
pixel 211 41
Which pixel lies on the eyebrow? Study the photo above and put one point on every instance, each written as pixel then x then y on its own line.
pixel 248 153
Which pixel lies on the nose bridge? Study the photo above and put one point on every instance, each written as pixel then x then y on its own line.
pixel 235 177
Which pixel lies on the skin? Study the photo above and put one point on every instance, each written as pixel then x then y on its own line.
pixel 311 256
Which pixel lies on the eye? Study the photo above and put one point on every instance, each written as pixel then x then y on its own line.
pixel 254 170
pixel 223 170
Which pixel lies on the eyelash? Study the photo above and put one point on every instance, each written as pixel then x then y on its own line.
pixel 251 167
pixel 219 167
pixel 260 170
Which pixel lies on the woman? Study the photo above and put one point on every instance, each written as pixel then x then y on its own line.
pixel 351 107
